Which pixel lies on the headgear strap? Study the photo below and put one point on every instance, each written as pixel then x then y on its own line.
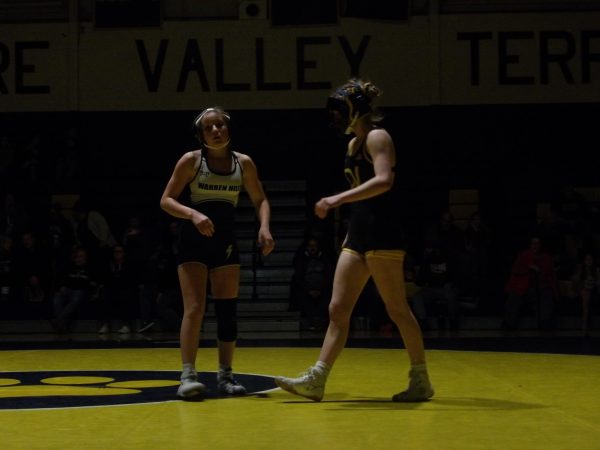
pixel 198 119
pixel 351 101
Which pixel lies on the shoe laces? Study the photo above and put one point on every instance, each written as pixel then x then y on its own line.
pixel 417 379
pixel 190 376
pixel 310 375
pixel 227 380
pixel 225 377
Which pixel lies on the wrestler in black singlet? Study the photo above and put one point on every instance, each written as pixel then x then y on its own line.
pixel 374 222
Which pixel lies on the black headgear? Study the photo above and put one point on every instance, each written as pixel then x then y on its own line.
pixel 352 103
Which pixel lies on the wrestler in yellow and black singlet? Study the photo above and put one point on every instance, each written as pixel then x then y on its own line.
pixel 375 222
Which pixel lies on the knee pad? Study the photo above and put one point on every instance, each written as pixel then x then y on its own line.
pixel 226 312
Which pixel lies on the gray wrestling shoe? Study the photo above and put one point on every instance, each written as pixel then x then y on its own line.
pixel 227 385
pixel 190 386
pixel 419 388
pixel 310 385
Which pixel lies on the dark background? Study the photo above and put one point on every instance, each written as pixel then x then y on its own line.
pixel 516 156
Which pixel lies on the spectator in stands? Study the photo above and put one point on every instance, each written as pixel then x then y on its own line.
pixel 32 266
pixel 118 293
pixel 410 275
pixel 67 162
pixel 161 295
pixel 532 279
pixel 586 284
pixel 78 285
pixel 30 167
pixel 437 289
pixel 472 278
pixel 7 273
pixel 213 177
pixel 552 229
pixel 8 152
pixel 169 299
pixel 379 316
pixel 446 236
pixel 592 235
pixel 14 218
pixel 137 244
pixel 311 281
pixel 60 239
pixel 93 232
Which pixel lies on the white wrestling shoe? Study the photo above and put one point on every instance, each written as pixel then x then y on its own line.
pixel 419 388
pixel 190 386
pixel 227 385
pixel 310 385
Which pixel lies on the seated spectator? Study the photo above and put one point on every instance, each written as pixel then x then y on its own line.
pixel 446 236
pixel 169 302
pixel 13 215
pixel 586 284
pixel 136 241
pixel 7 276
pixel 552 229
pixel 161 294
pixel 410 278
pixel 532 279
pixel 8 154
pixel 32 267
pixel 380 318
pixel 311 283
pixel 473 262
pixel 68 162
pixel 369 313
pixel 93 232
pixel 437 291
pixel 77 285
pixel 60 240
pixel 118 293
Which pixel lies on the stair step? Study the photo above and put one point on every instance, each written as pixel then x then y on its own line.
pixel 274 259
pixel 263 310
pixel 278 230
pixel 258 325
pixel 281 274
pixel 263 298
pixel 279 290
pixel 247 306
pixel 282 243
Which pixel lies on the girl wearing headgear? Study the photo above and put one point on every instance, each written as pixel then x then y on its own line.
pixel 373 246
pixel 212 177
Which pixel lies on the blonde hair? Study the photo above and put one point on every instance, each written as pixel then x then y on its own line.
pixel 358 86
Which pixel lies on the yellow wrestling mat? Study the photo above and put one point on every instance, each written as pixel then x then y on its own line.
pixel 124 399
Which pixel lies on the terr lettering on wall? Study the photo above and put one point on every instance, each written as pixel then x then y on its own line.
pixel 572 54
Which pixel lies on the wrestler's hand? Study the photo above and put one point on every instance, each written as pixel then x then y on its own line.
pixel 265 241
pixel 323 206
pixel 203 224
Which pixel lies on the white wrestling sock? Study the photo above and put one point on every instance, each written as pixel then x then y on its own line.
pixel 323 368
pixel 188 369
